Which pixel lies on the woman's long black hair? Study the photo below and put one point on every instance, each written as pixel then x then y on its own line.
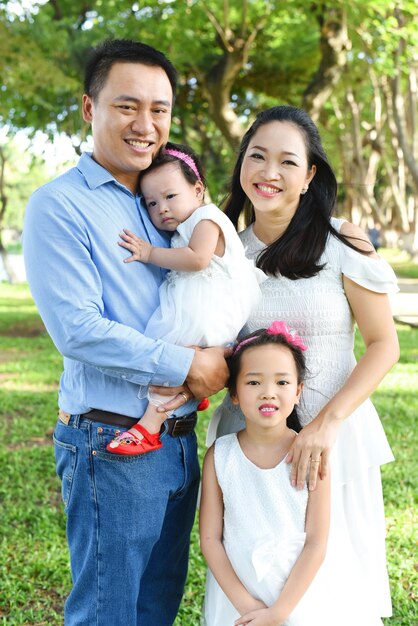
pixel 297 252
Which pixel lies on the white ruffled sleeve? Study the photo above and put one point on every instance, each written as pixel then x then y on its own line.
pixel 371 273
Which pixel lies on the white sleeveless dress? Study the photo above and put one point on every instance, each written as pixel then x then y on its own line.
pixel 263 535
pixel 208 307
pixel 318 310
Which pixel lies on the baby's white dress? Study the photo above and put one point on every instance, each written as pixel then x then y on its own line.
pixel 207 307
pixel 263 535
pixel 317 308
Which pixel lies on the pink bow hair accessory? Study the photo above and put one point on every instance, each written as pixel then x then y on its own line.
pixel 186 158
pixel 280 328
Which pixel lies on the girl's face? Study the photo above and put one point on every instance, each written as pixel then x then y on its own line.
pixel 169 197
pixel 275 169
pixel 267 386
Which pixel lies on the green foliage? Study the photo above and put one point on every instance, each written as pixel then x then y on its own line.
pixel 34 571
pixel 23 173
pixel 42 54
pixel 401 262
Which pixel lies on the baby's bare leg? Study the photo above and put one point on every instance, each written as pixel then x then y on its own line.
pixel 151 420
pixel 143 436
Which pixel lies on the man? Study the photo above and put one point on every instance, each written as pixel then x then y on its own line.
pixel 128 518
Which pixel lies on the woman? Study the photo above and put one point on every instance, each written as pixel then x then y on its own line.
pixel 324 275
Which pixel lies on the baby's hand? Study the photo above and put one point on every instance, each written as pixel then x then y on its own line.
pixel 140 249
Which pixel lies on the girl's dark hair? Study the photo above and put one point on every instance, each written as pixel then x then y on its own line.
pixel 297 252
pixel 162 158
pixel 261 337
pixel 112 51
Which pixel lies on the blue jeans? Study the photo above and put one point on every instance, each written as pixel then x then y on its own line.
pixel 128 525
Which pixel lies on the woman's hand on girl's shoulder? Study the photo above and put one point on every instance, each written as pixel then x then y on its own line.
pixel 310 452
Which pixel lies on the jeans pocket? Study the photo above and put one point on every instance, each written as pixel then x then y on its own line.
pixel 105 434
pixel 66 457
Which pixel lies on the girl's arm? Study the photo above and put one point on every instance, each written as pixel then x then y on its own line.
pixel 211 529
pixel 203 244
pixel 373 315
pixel 307 564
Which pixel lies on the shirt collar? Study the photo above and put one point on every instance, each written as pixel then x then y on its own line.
pixel 95 174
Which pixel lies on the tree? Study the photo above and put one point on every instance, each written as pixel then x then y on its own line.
pixel 376 105
pixel 352 65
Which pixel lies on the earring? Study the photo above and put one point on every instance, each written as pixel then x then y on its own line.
pixel 304 190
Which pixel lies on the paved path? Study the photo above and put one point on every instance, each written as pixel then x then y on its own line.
pixel 405 302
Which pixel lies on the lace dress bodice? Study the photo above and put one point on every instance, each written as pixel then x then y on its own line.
pixel 318 309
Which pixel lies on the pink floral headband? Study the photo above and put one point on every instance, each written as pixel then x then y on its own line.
pixel 186 158
pixel 277 328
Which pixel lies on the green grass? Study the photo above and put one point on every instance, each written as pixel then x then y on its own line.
pixel 34 571
pixel 400 261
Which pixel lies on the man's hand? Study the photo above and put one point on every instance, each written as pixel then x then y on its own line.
pixel 181 396
pixel 141 250
pixel 209 372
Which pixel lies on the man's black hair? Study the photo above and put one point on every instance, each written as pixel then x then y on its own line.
pixel 112 51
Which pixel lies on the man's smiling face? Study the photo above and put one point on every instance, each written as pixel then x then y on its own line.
pixel 130 119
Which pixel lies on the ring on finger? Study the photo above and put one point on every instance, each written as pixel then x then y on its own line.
pixel 185 396
pixel 315 460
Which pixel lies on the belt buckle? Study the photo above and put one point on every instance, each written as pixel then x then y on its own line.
pixel 177 427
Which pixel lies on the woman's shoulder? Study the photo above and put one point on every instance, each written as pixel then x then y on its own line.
pixel 247 234
pixel 252 245
pixel 358 237
pixel 368 270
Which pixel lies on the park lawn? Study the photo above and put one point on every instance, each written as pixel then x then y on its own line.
pixel 400 261
pixel 34 571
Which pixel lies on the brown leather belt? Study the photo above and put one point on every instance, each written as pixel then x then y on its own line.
pixel 175 426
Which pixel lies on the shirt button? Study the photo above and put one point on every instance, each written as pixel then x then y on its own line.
pixel 124 376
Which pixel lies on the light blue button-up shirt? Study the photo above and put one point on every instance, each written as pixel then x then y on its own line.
pixel 94 306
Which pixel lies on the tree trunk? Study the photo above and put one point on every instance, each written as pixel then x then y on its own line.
pixel 3 196
pixel 334 44
pixel 218 82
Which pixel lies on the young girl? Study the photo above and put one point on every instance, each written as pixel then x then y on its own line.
pixel 212 288
pixel 265 542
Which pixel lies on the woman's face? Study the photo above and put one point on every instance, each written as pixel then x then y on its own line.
pixel 275 169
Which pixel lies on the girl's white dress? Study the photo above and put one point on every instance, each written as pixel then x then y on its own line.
pixel 318 310
pixel 264 533
pixel 208 307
